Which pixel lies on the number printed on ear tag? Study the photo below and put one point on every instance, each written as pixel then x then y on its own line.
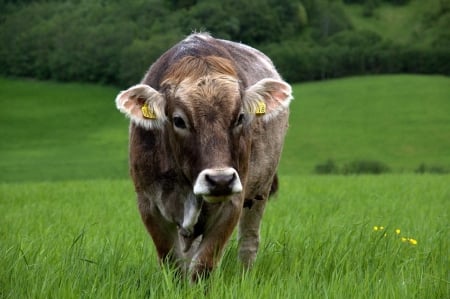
pixel 148 112
pixel 261 109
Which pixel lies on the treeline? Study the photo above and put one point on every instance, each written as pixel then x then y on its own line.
pixel 351 53
pixel 114 42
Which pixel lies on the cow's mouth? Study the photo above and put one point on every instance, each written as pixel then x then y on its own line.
pixel 216 199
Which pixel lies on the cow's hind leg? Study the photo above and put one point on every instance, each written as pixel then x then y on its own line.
pixel 249 226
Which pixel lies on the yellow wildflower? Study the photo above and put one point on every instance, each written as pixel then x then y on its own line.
pixel 409 240
pixel 412 241
pixel 397 231
pixel 381 227
pixel 375 228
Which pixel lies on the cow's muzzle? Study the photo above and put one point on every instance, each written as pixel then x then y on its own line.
pixel 217 184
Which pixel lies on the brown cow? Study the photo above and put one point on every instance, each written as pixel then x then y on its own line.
pixel 207 128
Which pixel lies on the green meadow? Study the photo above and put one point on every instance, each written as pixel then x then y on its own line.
pixel 53 131
pixel 70 226
pixel 400 120
pixel 78 239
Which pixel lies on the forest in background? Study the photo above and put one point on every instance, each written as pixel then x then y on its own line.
pixel 114 42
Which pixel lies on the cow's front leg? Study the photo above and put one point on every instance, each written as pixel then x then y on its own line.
pixel 219 228
pixel 160 230
pixel 249 226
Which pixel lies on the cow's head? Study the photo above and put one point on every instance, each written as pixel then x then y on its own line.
pixel 207 118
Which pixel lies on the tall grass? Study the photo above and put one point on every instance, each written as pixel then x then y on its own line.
pixel 85 239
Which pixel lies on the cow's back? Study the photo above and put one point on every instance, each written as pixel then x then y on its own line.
pixel 251 64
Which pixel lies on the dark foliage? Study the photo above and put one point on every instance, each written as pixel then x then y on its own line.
pixel 353 53
pixel 114 42
pixel 365 167
pixel 436 169
pixel 328 167
pixel 354 167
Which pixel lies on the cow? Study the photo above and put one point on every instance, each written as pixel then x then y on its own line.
pixel 207 127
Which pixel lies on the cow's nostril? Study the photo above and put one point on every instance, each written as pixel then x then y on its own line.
pixel 220 180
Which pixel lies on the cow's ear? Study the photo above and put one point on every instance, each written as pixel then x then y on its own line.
pixel 143 105
pixel 268 97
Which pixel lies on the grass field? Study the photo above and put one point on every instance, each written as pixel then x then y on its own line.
pixel 402 121
pixel 84 239
pixel 53 131
pixel 70 226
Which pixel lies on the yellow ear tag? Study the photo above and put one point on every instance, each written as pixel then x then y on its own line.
pixel 148 112
pixel 261 109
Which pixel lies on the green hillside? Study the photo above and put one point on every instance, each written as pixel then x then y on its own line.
pixel 59 131
pixel 399 120
pixel 53 131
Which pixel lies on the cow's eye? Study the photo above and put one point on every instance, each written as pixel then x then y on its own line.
pixel 178 122
pixel 240 119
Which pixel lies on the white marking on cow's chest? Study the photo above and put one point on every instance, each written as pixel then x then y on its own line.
pixel 192 209
pixel 155 195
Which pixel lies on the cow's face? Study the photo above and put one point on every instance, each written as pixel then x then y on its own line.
pixel 207 120
pixel 206 128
